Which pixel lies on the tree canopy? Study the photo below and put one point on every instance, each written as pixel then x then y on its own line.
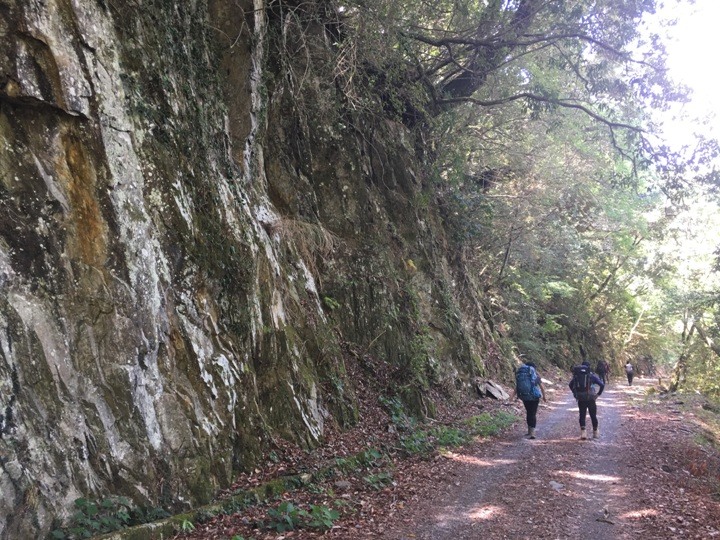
pixel 538 121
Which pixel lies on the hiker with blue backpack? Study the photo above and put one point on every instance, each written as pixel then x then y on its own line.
pixel 586 387
pixel 529 389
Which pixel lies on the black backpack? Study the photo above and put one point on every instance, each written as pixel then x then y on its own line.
pixel 582 384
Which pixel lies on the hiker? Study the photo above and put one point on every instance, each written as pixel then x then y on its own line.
pixel 586 387
pixel 603 371
pixel 529 388
pixel 630 372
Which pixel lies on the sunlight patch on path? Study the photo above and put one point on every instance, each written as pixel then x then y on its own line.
pixel 637 514
pixel 592 477
pixel 487 512
pixel 472 460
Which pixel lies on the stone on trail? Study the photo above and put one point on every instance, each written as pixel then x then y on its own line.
pixel 557 486
pixel 491 389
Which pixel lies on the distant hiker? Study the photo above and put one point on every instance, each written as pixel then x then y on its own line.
pixel 529 388
pixel 603 370
pixel 586 387
pixel 630 372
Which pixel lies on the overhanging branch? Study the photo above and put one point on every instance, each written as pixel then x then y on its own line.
pixel 527 41
pixel 541 99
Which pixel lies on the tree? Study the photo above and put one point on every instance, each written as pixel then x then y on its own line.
pixel 536 118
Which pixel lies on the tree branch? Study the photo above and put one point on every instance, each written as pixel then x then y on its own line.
pixel 495 43
pixel 541 99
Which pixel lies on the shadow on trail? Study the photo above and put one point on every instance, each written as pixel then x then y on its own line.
pixel 557 483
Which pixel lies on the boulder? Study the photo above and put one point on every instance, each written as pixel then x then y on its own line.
pixel 491 389
pixel 496 391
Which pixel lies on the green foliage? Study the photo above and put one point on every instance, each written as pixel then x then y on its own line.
pixel 288 517
pixel 551 326
pixel 450 436
pixel 379 480
pixel 559 288
pixel 419 356
pixel 93 518
pixel 107 515
pixel 139 514
pixel 540 158
pixel 330 303
pixel 347 464
pixel 365 458
pixel 206 515
pixel 321 517
pixel 487 424
pixel 398 414
pixel 238 502
pixel 370 456
pixel 417 442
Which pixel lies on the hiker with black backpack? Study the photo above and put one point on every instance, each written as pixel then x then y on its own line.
pixel 529 389
pixel 586 387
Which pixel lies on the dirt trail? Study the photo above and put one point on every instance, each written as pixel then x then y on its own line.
pixel 560 487
pixel 649 475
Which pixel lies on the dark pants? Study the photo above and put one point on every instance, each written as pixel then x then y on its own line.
pixel 603 376
pixel 588 407
pixel 630 377
pixel 531 408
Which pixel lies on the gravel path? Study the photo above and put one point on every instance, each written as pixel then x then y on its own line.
pixel 555 486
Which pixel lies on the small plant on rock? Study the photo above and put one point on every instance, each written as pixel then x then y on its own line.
pixel 330 303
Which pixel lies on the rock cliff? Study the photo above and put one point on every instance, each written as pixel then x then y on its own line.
pixel 198 237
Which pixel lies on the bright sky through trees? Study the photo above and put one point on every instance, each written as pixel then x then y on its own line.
pixel 695 233
pixel 692 45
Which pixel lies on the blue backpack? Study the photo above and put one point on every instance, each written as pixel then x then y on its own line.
pixel 525 383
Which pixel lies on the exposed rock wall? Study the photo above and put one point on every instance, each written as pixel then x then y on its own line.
pixel 193 244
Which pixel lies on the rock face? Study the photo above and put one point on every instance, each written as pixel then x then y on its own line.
pixel 199 247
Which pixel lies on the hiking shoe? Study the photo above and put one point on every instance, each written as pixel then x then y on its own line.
pixel 531 433
pixel 583 434
pixel 596 433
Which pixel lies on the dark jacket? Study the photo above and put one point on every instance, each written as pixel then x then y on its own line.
pixel 594 379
